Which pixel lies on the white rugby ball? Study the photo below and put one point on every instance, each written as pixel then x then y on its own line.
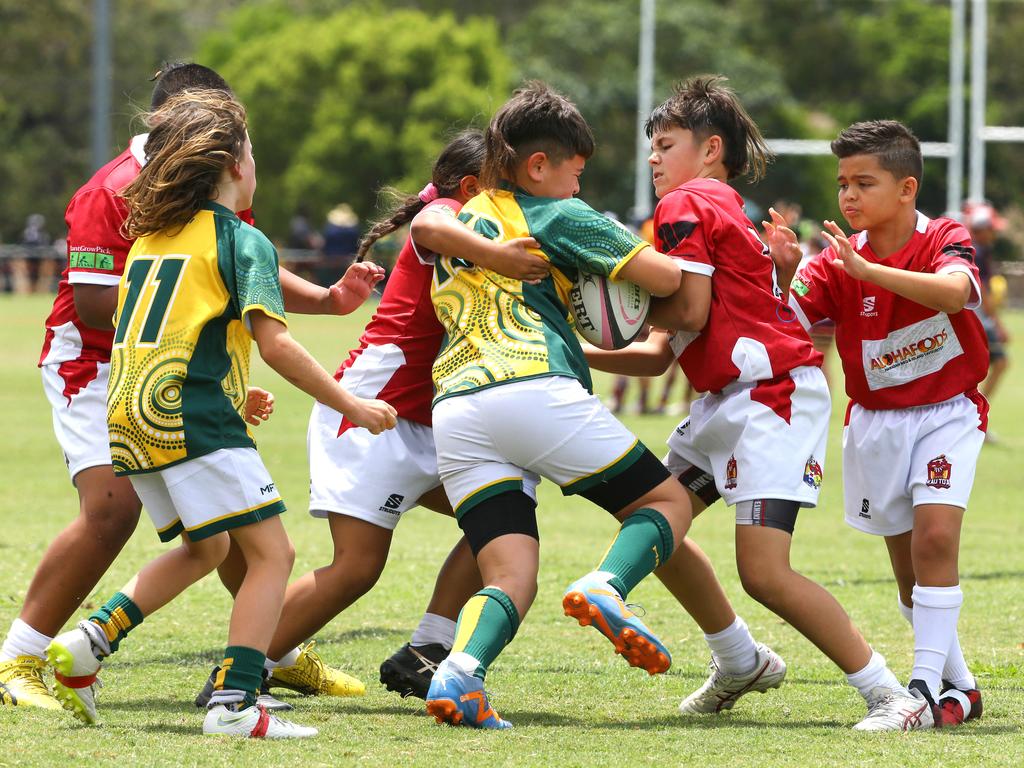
pixel 608 313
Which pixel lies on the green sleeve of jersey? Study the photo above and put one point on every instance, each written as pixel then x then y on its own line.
pixel 575 235
pixel 257 281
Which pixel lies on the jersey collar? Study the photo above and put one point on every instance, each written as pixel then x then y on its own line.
pixel 138 148
pixel 921 226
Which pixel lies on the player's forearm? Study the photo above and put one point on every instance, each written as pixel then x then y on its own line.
pixel 303 297
pixel 947 292
pixel 641 358
pixel 687 309
pixel 443 234
pixel 96 305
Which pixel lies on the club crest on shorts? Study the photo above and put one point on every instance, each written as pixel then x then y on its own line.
pixel 812 473
pixel 730 473
pixel 939 470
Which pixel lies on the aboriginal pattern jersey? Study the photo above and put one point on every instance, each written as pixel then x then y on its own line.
pixel 180 362
pixel 498 329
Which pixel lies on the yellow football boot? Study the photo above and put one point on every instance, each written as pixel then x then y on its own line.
pixel 22 684
pixel 310 676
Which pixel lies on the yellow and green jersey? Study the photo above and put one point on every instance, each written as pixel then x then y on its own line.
pixel 180 362
pixel 498 329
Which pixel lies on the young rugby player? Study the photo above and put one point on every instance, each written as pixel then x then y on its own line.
pixel 362 483
pixel 75 366
pixel 509 349
pixel 913 360
pixel 757 439
pixel 198 285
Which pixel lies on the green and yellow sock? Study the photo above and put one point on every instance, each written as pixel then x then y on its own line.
pixel 642 544
pixel 117 617
pixel 240 676
pixel 487 623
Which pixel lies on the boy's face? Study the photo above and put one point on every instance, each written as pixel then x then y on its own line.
pixel 547 178
pixel 676 158
pixel 869 195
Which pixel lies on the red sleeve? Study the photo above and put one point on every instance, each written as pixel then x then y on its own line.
pixel 952 252
pixel 813 292
pixel 446 207
pixel 96 248
pixel 686 227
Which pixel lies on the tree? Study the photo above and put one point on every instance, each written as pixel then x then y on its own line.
pixel 341 104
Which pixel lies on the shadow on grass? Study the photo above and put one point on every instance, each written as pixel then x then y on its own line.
pixel 832 581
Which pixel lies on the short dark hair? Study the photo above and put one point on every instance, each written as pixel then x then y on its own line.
pixel 534 119
pixel 896 147
pixel 174 77
pixel 706 107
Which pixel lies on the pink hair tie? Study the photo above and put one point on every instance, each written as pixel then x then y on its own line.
pixel 429 193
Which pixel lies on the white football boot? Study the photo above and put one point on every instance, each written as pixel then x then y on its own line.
pixel 890 710
pixel 721 690
pixel 75 659
pixel 252 723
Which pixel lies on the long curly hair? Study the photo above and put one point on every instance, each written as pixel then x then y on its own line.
pixel 193 137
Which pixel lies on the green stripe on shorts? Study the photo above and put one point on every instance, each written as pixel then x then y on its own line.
pixel 617 467
pixel 237 520
pixel 487 492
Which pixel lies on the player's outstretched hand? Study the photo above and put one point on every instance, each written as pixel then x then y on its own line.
pixel 847 259
pixel 519 263
pixel 355 286
pixel 259 404
pixel 375 415
pixel 783 244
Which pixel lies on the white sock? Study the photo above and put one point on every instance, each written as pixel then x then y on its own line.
pixel 956 670
pixel 874 675
pixel 434 629
pixel 285 661
pixel 465 662
pixel 733 648
pixel 906 611
pixel 936 611
pixel 22 640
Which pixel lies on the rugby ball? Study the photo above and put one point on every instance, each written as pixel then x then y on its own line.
pixel 608 313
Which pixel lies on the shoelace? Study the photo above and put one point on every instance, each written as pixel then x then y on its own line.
pixel 33 669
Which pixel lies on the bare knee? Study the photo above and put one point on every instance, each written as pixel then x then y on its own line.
pixel 210 552
pixel 764 582
pixel 111 514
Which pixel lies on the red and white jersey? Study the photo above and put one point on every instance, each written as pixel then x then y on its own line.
pixel 897 353
pixel 402 339
pixel 96 254
pixel 751 334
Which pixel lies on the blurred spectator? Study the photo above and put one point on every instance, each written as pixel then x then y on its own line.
pixel 340 243
pixel 984 224
pixel 35 265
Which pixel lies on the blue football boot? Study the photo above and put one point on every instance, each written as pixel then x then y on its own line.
pixel 458 698
pixel 591 600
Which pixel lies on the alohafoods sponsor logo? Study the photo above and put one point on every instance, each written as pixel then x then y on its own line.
pixel 910 353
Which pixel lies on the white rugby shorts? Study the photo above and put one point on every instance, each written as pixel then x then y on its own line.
pixel 895 460
pixel 759 440
pixel 507 436
pixel 375 478
pixel 225 489
pixel 77 392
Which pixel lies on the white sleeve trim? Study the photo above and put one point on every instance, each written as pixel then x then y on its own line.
pixel 974 300
pixel 795 306
pixel 694 267
pixel 76 277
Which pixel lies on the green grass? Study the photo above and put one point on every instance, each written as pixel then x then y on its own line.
pixel 573 702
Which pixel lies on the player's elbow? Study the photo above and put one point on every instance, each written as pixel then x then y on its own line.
pixel 664 281
pixel 679 315
pixel 425 230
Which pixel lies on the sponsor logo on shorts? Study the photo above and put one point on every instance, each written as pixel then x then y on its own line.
pixel 730 473
pixel 865 509
pixel 868 307
pixel 812 473
pixel 939 471
pixel 265 489
pixel 392 504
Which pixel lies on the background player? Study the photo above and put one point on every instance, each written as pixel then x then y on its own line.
pixel 198 285
pixel 913 360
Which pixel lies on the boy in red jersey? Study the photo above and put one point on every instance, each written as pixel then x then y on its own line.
pixel 913 360
pixel 757 439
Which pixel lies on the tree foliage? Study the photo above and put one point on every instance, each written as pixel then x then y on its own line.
pixel 342 104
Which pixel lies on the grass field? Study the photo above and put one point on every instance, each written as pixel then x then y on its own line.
pixel 572 701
